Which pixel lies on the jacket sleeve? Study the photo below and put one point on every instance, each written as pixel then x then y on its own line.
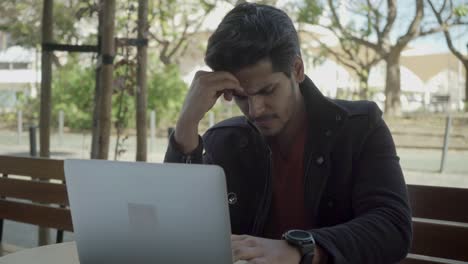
pixel 174 155
pixel 381 230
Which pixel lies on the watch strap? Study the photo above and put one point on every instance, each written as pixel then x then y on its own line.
pixel 307 258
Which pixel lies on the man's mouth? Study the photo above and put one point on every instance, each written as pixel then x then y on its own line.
pixel 263 121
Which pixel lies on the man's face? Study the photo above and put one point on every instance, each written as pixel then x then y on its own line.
pixel 270 99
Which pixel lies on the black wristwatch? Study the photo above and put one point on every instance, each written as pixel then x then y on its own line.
pixel 304 242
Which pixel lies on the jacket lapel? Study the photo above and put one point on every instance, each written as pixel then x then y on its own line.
pixel 325 119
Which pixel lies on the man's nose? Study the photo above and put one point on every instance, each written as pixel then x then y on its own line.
pixel 256 106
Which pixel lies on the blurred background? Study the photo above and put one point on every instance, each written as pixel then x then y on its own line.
pixel 106 79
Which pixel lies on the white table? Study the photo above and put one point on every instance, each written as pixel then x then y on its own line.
pixel 63 253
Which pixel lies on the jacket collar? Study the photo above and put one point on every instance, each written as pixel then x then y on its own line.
pixel 322 113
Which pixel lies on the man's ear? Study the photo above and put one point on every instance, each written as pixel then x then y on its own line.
pixel 298 69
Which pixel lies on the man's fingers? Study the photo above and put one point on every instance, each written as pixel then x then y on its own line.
pixel 239 237
pixel 245 247
pixel 225 84
pixel 257 261
pixel 219 81
pixel 246 253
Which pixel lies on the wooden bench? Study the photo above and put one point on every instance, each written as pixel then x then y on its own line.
pixel 440 223
pixel 32 191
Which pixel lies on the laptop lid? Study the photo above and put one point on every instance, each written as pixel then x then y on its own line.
pixel 133 212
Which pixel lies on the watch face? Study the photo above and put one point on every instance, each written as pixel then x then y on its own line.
pixel 300 235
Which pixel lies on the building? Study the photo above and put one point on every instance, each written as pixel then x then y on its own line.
pixel 19 74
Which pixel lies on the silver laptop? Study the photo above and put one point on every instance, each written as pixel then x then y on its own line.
pixel 132 212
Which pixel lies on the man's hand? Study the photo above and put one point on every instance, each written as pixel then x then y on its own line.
pixel 205 89
pixel 257 250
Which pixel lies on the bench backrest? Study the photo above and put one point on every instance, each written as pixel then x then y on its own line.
pixel 32 190
pixel 440 223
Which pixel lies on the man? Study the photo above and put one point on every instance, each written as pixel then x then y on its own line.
pixel 310 180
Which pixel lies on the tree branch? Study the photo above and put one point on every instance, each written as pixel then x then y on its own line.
pixel 348 34
pixel 447 35
pixel 335 17
pixel 376 23
pixel 181 40
pixel 161 21
pixel 337 55
pixel 391 17
pixel 368 44
pixel 434 30
pixel 414 28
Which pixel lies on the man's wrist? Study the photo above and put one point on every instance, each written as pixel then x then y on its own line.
pixel 186 136
pixel 304 243
pixel 320 256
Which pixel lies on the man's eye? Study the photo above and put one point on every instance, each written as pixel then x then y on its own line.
pixel 268 91
pixel 239 97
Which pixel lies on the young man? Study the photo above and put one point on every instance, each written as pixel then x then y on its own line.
pixel 310 180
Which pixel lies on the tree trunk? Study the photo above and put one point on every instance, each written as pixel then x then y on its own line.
pixel 392 85
pixel 97 90
pixel 107 71
pixel 364 85
pixel 141 93
pixel 46 80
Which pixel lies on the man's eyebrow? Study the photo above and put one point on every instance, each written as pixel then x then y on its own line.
pixel 257 92
pixel 264 88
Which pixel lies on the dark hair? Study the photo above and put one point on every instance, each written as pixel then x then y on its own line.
pixel 252 32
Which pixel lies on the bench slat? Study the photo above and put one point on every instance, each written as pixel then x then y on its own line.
pixel 418 259
pixel 440 240
pixel 36 191
pixel 33 167
pixel 441 203
pixel 45 216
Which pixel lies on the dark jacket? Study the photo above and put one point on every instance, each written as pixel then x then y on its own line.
pixel 354 186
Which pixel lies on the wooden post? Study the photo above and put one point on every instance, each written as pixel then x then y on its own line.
pixel 448 125
pixel 153 131
pixel 60 127
pixel 97 90
pixel 46 81
pixel 20 125
pixel 46 94
pixel 107 51
pixel 141 93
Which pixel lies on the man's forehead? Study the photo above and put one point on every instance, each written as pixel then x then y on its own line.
pixel 258 76
pixel 256 83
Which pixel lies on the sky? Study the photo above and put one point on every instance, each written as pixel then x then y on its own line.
pixel 406 8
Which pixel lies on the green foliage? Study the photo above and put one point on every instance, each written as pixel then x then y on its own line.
pixel 22 20
pixel 73 92
pixel 310 11
pixel 461 10
pixel 30 107
pixel 166 93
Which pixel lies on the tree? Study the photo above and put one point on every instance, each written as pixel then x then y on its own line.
pixel 22 20
pixel 106 78
pixel 349 53
pixel 381 20
pixel 449 13
pixel 72 90
pixel 141 89
pixel 173 22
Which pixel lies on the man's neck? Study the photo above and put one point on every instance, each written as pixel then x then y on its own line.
pixel 295 125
